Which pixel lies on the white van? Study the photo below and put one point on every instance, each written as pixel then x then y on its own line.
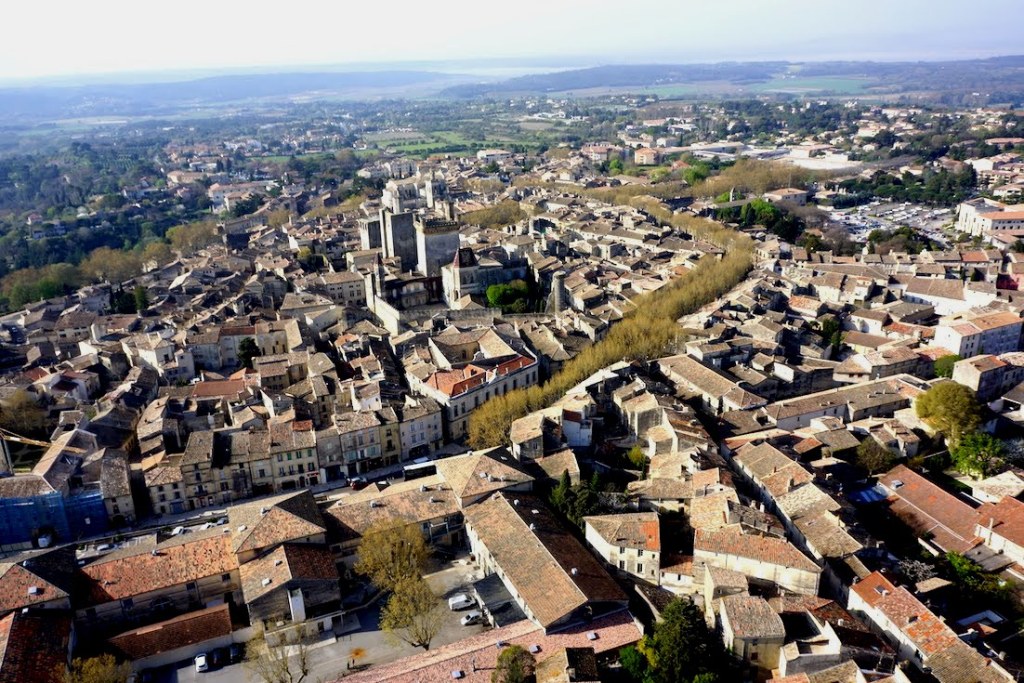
pixel 460 601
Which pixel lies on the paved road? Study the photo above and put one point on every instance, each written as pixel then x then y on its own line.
pixel 329 657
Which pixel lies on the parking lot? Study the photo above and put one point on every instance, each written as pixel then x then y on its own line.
pixel 930 222
pixel 360 634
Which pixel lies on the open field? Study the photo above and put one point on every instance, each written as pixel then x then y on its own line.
pixel 434 142
pixel 838 84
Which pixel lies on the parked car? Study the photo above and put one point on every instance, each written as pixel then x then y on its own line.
pixel 218 657
pixel 473 617
pixel 460 601
pixel 236 653
pixel 202 663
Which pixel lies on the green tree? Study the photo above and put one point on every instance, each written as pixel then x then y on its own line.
pixel 831 330
pixel 634 663
pixel 515 665
pixel 585 502
pixel 944 365
pixel 950 408
pixel 978 454
pixel 508 296
pixel 562 494
pixel 122 301
pixel 247 351
pixel 101 669
pixel 413 613
pixel 681 647
pixel 390 552
pixel 706 677
pixel 636 457
pixel 141 298
pixel 873 457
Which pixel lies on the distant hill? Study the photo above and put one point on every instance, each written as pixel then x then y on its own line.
pixel 618 76
pixel 999 79
pixel 971 82
pixel 40 102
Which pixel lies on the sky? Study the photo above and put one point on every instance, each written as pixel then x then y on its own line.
pixel 48 38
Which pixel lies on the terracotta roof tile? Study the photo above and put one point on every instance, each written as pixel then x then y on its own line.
pixel 263 523
pixel 538 555
pixel 632 530
pixel 291 561
pixel 34 646
pixel 173 563
pixel 187 629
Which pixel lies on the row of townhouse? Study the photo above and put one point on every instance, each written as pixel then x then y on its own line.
pixel 228 464
pixel 219 467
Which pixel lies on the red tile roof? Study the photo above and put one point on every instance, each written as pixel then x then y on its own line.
pixel 291 561
pixel 187 629
pixel 16 584
pixel 1006 518
pixel 173 563
pixel 634 530
pixel 214 388
pixel 928 509
pixel 34 646
pixel 548 567
pixel 949 658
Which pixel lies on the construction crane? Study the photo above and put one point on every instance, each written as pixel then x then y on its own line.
pixel 6 464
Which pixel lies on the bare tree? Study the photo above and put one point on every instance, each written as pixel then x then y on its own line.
pixel 413 613
pixel 285 662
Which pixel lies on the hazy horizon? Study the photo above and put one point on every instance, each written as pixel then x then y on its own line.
pixel 114 40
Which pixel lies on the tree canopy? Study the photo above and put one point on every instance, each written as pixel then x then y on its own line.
pixel 101 669
pixel 504 213
pixel 977 454
pixel 576 501
pixel 515 665
pixel 944 365
pixel 509 297
pixel 391 551
pixel 247 351
pixel 192 237
pixel 873 457
pixel 950 408
pixel 680 649
pixel 285 662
